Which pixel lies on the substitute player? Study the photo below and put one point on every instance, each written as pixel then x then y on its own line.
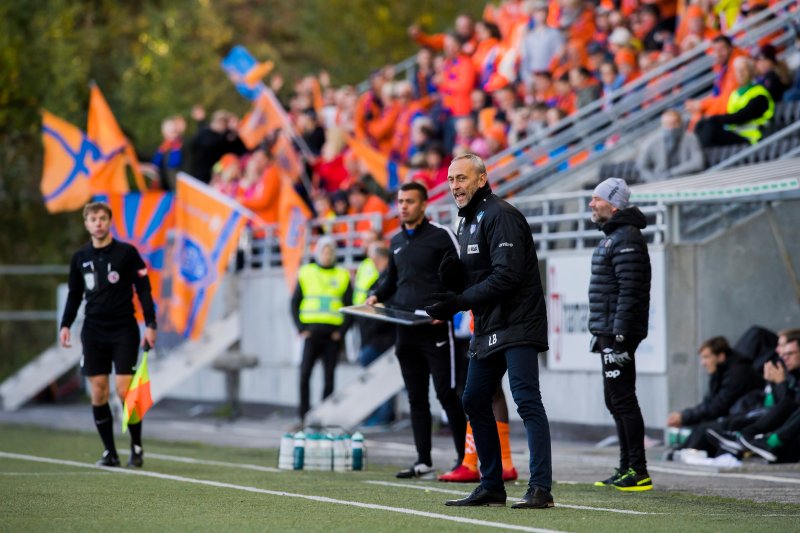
pixel 105 271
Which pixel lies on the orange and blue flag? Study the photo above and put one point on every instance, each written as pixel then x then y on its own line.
pixel 143 220
pixel 389 174
pixel 261 121
pixel 68 159
pixel 207 227
pixel 110 176
pixel 293 218
pixel 138 399
pixel 243 69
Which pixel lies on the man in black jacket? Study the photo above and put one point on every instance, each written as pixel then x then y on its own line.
pixel 423 351
pixel 619 306
pixel 497 278
pixel 730 377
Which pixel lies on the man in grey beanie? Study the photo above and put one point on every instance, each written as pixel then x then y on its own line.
pixel 619 306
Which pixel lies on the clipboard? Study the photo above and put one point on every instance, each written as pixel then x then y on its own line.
pixel 389 314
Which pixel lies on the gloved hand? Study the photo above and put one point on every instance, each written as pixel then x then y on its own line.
pixel 452 273
pixel 449 304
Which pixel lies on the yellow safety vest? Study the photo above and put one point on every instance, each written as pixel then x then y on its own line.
pixel 738 100
pixel 366 275
pixel 323 289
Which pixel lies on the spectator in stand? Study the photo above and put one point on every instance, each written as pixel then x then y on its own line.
pixel 341 203
pixel 495 139
pixel 330 169
pixel 464 34
pixel 260 186
pixel 650 29
pixel 575 18
pixel 750 107
pixel 362 202
pixel 227 174
pixel 325 213
pixel 693 28
pixel 585 87
pixel 725 83
pixel 424 85
pixel 730 378
pixel 368 106
pixel 538 119
pixel 572 55
pixel 380 129
pixel 543 90
pixel 772 73
pixel 422 132
pixel 467 138
pixel 519 125
pixel 169 156
pixel 597 55
pixel 488 51
pixel 311 131
pixel 610 82
pixel 212 142
pixel 565 99
pixel 434 167
pixel 669 152
pixel 505 102
pixel 540 44
pixel 455 85
pixel 627 65
pixel 408 110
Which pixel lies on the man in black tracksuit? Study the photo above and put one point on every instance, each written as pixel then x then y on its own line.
pixel 497 278
pixel 106 271
pixel 411 281
pixel 619 306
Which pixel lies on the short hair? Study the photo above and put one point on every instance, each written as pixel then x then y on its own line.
pixel 717 345
pixel 358 188
pixel 477 162
pixel 416 186
pixel 791 334
pixel 377 249
pixel 723 39
pixel 94 207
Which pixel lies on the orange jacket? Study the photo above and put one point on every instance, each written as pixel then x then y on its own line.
pixel 380 129
pixel 717 104
pixel 458 80
pixel 367 109
pixel 263 196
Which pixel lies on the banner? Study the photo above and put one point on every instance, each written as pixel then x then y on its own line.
pixel 386 172
pixel 68 154
pixel 293 218
pixel 242 68
pixel 143 220
pixel 207 226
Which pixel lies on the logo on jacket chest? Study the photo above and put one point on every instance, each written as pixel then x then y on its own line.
pixel 472 249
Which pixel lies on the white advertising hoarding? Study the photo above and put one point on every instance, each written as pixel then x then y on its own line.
pixel 568 314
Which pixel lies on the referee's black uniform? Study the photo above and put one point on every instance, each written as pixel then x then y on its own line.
pixel 107 276
pixel 411 280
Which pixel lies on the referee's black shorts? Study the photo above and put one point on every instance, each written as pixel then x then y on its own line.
pixel 105 343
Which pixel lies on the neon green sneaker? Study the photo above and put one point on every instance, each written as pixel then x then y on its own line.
pixel 634 482
pixel 608 482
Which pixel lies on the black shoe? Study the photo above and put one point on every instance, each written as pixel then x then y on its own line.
pixel 481 497
pixel 634 481
pixel 758 445
pixel 418 471
pixel 727 440
pixel 137 457
pixel 108 459
pixel 609 480
pixel 535 499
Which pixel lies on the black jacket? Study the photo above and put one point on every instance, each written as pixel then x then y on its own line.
pixel 107 277
pixel 503 288
pixel 619 289
pixel 730 382
pixel 412 277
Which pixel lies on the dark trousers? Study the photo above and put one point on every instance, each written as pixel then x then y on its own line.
pixel 711 133
pixel 789 433
pixel 699 439
pixel 619 390
pixel 424 352
pixel 483 377
pixel 317 346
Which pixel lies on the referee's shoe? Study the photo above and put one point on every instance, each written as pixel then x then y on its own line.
pixel 108 458
pixel 137 457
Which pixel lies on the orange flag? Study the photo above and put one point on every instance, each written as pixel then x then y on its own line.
pixel 138 399
pixel 261 121
pixel 389 174
pixel 207 225
pixel 293 218
pixel 68 156
pixel 117 151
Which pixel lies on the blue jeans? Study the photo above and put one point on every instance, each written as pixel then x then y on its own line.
pixel 384 414
pixel 483 376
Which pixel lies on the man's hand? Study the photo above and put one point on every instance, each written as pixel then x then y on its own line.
pixel 336 336
pixel 149 338
pixel 452 273
pixel 65 337
pixel 371 300
pixel 449 304
pixel 674 420
pixel 774 372
pixel 305 334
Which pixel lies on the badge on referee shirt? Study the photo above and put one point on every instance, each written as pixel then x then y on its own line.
pixel 113 276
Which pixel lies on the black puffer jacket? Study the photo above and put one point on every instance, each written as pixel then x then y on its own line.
pixel 619 289
pixel 503 288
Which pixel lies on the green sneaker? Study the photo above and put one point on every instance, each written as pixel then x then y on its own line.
pixel 610 480
pixel 634 482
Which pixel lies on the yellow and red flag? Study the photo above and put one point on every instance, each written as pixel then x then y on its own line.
pixel 389 174
pixel 68 157
pixel 293 218
pixel 116 149
pixel 207 225
pixel 138 399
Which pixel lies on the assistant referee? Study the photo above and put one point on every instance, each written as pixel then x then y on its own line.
pixel 105 271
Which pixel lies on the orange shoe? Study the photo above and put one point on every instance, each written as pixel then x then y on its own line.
pixel 461 474
pixel 509 474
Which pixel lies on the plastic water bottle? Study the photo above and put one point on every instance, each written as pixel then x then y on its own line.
pixel 359 452
pixel 339 454
pixel 299 450
pixel 312 452
pixel 286 453
pixel 326 452
pixel 348 452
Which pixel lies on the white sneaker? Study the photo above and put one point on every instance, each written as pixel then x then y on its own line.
pixel 418 471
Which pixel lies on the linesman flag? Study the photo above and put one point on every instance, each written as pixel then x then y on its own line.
pixel 207 225
pixel 138 399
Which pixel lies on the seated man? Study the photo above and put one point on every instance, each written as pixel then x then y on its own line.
pixel 779 446
pixel 783 376
pixel 730 377
pixel 750 107
pixel 670 151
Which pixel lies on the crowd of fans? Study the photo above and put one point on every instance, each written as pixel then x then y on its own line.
pixel 487 85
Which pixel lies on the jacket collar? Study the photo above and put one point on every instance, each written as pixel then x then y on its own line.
pixel 468 211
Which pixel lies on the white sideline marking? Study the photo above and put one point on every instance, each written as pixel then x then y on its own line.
pixel 245 488
pixel 189 460
pixel 462 493
pixel 756 477
pixel 34 474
